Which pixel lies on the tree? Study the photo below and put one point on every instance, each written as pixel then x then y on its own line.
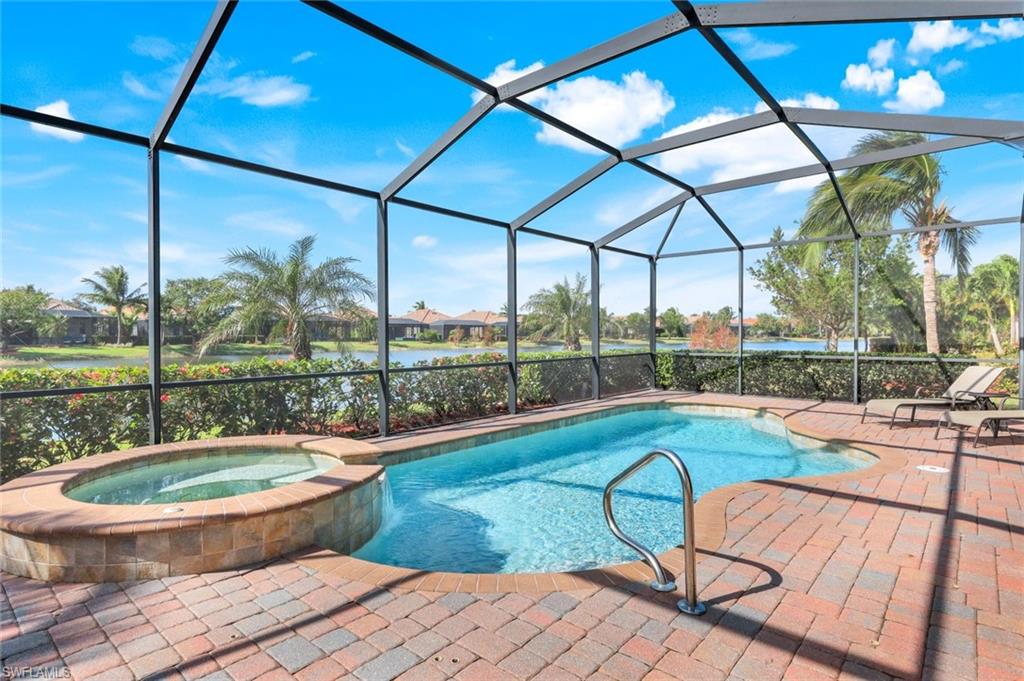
pixel 288 293
pixel 22 309
pixel 996 283
pixel 564 309
pixel 420 305
pixel 711 332
pixel 191 304
pixel 875 193
pixel 112 290
pixel 637 324
pixel 456 335
pixel 822 293
pixel 673 323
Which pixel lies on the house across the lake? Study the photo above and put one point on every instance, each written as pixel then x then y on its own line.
pixel 82 326
pixel 413 323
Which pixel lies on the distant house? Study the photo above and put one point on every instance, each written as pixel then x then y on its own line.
pixel 472 324
pixel 401 328
pixel 348 325
pixel 83 326
pixel 413 323
pixel 748 322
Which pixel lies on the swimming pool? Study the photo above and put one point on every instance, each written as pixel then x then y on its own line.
pixel 533 503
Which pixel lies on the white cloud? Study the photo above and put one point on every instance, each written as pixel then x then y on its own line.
pixel 1007 29
pixel 616 113
pixel 196 165
pixel 752 152
pixel 259 89
pixel 752 48
pixel 16 179
pixel 935 36
pixel 303 56
pixel 272 221
pixel 811 100
pixel 424 241
pixel 613 112
pixel 916 94
pixel 506 72
pixel 153 46
pixel 861 77
pixel 949 67
pixel 135 216
pixel 138 88
pixel 405 149
pixel 346 206
pixel 880 54
pixel 60 109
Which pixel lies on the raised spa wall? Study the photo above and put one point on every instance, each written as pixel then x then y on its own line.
pixel 45 535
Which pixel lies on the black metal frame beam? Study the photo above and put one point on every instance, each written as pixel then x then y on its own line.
pixel 809 12
pixel 193 68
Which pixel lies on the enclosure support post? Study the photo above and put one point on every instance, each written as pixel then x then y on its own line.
pixel 153 285
pixel 856 321
pixel 1020 317
pixel 383 349
pixel 511 320
pixel 739 347
pixel 595 321
pixel 653 321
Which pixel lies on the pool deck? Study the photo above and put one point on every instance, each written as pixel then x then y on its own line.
pixel 893 573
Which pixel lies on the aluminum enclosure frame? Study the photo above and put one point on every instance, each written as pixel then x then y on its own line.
pixel 705 19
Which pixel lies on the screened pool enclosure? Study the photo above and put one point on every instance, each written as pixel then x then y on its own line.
pixel 853 373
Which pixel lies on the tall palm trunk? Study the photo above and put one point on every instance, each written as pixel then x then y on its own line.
pixel 117 322
pixel 1014 327
pixel 301 347
pixel 994 335
pixel 928 245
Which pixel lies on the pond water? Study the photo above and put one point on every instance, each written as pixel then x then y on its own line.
pixel 409 357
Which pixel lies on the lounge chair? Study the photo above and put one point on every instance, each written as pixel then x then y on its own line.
pixel 977 420
pixel 974 379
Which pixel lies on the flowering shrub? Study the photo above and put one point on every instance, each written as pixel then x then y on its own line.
pixel 41 431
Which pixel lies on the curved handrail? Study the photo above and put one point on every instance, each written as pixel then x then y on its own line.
pixel 690 605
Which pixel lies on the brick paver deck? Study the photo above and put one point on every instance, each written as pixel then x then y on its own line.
pixel 906 574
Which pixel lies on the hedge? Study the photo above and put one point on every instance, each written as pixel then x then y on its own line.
pixel 41 431
pixel 814 375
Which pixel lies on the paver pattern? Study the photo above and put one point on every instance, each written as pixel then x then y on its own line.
pixel 907 574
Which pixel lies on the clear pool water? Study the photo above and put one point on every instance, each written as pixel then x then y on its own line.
pixel 533 503
pixel 222 473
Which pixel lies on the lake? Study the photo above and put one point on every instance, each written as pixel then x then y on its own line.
pixel 409 357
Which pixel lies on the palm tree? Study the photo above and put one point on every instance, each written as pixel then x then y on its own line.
pixel 994 286
pixel 111 290
pixel 420 305
pixel 290 292
pixel 875 193
pixel 563 309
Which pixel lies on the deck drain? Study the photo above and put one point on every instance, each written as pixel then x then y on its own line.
pixel 173 509
pixel 928 468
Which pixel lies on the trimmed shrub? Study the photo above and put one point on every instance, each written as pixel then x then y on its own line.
pixel 815 375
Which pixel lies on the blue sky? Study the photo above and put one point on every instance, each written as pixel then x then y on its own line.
pixel 290 87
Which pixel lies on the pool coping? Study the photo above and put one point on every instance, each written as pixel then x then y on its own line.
pixel 710 511
pixel 35 504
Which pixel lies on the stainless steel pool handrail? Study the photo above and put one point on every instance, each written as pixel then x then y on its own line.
pixel 690 605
